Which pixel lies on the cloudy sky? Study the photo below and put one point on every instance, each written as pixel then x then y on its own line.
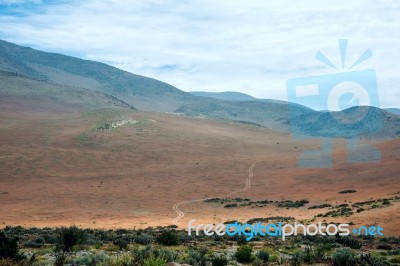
pixel 211 45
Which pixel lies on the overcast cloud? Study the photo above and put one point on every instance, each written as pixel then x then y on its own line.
pixel 247 46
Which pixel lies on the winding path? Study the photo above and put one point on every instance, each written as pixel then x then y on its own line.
pixel 181 214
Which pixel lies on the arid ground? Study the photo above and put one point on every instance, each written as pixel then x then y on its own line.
pixel 63 168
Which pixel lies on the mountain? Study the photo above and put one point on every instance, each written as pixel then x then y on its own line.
pixel 226 95
pixel 395 111
pixel 142 92
pixel 360 121
pixel 34 78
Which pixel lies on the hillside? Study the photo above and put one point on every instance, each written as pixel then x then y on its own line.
pixel 23 94
pixel 266 114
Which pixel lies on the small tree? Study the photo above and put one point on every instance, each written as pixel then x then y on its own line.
pixel 67 237
pixel 9 248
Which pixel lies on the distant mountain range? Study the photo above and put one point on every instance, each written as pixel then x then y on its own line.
pixel 32 76
pixel 393 110
pixel 226 95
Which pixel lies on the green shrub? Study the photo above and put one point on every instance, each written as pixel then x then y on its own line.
pixel 296 258
pixel 122 243
pixel 320 251
pixel 367 259
pixel 36 243
pixel 154 262
pixel 9 248
pixel 384 246
pixel 141 254
pixel 343 257
pixel 8 262
pixel 263 255
pixel 308 255
pixel 168 238
pixel 90 259
pixel 143 239
pixel 198 257
pixel 395 260
pixel 244 254
pixel 67 237
pixel 219 261
pixel 349 241
pixel 166 254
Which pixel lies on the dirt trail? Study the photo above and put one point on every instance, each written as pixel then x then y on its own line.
pixel 181 214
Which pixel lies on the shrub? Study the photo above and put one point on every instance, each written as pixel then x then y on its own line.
pixel 296 259
pixel 143 239
pixel 198 257
pixel 384 246
pixel 9 248
pixel 8 262
pixel 263 255
pixel 244 254
pixel 141 254
pixel 37 243
pixel 319 253
pixel 166 254
pixel 367 259
pixel 122 259
pixel 343 257
pixel 395 260
pixel 154 262
pixel 122 243
pixel 67 237
pixel 258 262
pixel 168 238
pixel 219 261
pixel 309 255
pixel 350 242
pixel 91 259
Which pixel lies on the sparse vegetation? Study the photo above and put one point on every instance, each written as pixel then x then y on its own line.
pixel 98 248
pixel 292 204
pixel 321 206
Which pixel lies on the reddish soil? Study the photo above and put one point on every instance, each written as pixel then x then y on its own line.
pixel 133 175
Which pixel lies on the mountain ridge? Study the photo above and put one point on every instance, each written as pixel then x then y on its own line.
pixel 148 94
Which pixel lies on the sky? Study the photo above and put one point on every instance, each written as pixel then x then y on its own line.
pixel 251 46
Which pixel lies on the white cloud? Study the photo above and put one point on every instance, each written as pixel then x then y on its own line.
pixel 252 46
